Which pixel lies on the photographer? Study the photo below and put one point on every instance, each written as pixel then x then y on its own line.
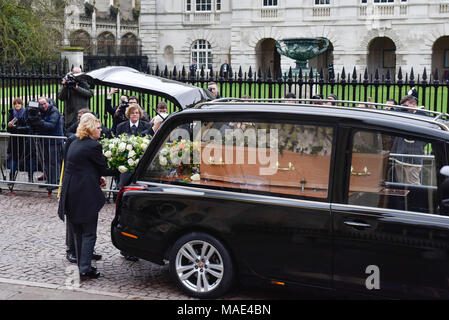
pixel 76 95
pixel 212 87
pixel 20 149
pixel 45 119
pixel 117 112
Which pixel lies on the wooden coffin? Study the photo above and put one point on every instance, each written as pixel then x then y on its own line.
pixel 243 165
pixel 369 171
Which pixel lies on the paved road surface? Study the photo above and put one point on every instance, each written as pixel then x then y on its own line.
pixel 32 246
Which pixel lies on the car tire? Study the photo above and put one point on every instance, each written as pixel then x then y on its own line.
pixel 201 266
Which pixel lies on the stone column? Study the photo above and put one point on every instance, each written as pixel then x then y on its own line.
pixel 149 32
pixel 117 35
pixel 94 41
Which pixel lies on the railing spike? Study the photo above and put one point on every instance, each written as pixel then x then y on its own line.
pixel 424 75
pixel 435 76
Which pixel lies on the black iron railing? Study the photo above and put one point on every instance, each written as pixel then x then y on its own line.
pixel 30 83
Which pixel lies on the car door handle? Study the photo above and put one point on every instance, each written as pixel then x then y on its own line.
pixel 357 225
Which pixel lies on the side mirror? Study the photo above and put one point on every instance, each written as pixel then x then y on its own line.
pixel 445 171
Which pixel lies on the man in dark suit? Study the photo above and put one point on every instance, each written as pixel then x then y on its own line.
pixel 135 126
pixel 81 194
pixel 225 70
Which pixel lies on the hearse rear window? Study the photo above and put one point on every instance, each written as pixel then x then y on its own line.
pixel 392 172
pixel 269 158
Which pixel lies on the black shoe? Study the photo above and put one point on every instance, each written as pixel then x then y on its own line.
pixel 92 274
pixel 96 256
pixel 71 257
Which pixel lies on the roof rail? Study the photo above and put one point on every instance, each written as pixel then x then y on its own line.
pixel 433 115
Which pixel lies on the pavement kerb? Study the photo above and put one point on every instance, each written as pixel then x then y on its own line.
pixel 72 289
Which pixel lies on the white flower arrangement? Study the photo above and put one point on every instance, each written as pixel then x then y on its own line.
pixel 124 152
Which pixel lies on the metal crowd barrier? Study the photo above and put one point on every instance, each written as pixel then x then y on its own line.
pixel 34 162
pixel 427 173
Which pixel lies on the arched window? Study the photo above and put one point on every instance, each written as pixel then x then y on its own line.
pixel 81 38
pixel 201 53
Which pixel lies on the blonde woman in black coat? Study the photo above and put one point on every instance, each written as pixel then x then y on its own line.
pixel 81 194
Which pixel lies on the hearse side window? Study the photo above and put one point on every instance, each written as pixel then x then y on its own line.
pixel 392 172
pixel 267 158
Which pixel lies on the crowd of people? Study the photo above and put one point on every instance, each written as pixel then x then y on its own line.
pixel 410 100
pixel 81 197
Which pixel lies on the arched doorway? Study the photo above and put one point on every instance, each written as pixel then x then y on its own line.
pixel 106 44
pixel 323 61
pixel 267 58
pixel 382 56
pixel 81 38
pixel 440 57
pixel 128 46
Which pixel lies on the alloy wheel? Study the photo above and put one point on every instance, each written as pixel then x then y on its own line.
pixel 199 266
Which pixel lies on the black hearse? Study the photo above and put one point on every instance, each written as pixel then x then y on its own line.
pixel 332 197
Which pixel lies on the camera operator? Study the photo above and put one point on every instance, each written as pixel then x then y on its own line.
pixel 45 119
pixel 76 94
pixel 118 112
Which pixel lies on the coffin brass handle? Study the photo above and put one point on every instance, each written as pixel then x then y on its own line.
pixel 365 172
pixel 289 168
pixel 213 163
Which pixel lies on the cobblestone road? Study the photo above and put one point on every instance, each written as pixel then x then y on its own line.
pixel 32 246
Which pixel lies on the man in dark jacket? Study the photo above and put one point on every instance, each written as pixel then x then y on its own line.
pixel 76 95
pixel 48 122
pixel 117 112
pixel 225 70
pixel 192 68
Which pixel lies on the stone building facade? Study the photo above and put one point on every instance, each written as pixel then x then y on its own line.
pixel 103 27
pixel 372 34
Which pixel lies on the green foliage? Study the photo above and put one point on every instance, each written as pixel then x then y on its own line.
pixel 28 30
pixel 136 13
pixel 113 11
pixel 88 9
